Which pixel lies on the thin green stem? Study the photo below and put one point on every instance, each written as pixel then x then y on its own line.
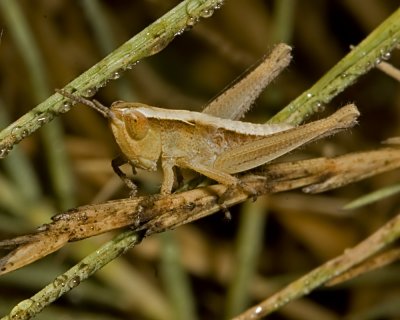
pixel 146 43
pixel 373 197
pixel 175 279
pixel 362 58
pixel 28 308
pixel 385 236
pixel 283 23
pixel 248 249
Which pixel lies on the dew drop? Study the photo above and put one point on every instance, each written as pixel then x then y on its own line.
pixel 218 5
pixel 318 106
pixel 21 311
pixel 190 22
pixel 17 314
pixel 16 131
pixel 66 106
pixel 386 56
pixel 101 84
pixel 42 120
pixel 206 13
pixel 179 32
pixel 344 75
pixel 131 65
pixel 258 310
pixel 24 133
pixel 59 281
pixel 161 43
pixel 377 61
pixel 75 281
pixel 116 75
pixel 88 93
pixel 4 152
pixel 309 95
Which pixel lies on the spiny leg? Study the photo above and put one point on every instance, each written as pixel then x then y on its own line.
pixel 116 164
pixel 224 178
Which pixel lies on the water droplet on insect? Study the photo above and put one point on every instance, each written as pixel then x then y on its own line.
pixel 377 61
pixel 206 13
pixel 344 75
pixel 309 95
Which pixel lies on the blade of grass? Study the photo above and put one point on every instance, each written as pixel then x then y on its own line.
pixel 248 247
pixel 373 197
pixel 175 279
pixel 384 236
pixel 151 40
pixel 28 308
pixel 362 58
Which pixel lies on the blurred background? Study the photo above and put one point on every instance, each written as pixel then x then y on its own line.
pixel 67 162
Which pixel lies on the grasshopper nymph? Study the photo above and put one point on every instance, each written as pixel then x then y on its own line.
pixel 211 145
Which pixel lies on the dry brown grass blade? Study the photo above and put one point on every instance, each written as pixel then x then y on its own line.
pixel 154 214
pixel 351 257
pixel 376 262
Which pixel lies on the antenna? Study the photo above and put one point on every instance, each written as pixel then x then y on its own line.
pixel 94 104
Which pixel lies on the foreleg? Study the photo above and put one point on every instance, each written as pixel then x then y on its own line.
pixel 116 164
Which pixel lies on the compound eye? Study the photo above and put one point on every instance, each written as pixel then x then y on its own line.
pixel 136 124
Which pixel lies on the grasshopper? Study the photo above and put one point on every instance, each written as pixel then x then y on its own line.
pixel 208 142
